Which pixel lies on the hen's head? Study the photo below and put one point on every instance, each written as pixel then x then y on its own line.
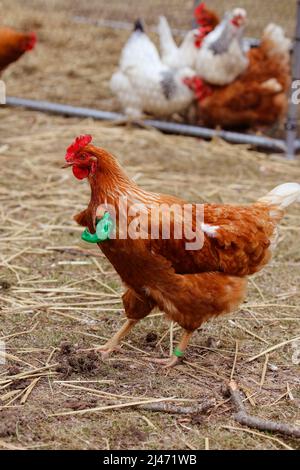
pixel 80 157
pixel 239 17
pixel 86 160
pixel 206 17
pixel 28 42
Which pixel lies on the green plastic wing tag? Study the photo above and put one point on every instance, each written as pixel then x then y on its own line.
pixel 104 227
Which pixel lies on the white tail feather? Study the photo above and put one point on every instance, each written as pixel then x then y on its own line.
pixel 282 196
pixel 278 42
pixel 167 43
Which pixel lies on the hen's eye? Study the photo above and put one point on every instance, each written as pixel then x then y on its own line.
pixel 82 157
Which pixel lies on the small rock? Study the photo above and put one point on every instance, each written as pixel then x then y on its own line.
pixel 213 343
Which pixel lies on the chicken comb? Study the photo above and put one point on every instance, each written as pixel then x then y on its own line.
pixel 201 14
pixel 78 144
pixel 199 10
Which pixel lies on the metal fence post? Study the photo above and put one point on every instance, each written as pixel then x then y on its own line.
pixel 291 123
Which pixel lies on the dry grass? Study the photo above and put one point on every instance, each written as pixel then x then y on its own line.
pixel 73 62
pixel 178 11
pixel 52 294
pixel 53 291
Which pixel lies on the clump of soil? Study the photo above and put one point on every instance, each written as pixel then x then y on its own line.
pixel 151 337
pixel 129 434
pixel 14 370
pixel 75 404
pixel 17 383
pixel 5 285
pixel 8 423
pixel 73 361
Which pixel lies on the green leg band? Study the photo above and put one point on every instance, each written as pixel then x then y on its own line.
pixel 178 353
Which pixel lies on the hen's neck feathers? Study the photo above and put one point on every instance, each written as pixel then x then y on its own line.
pixel 110 182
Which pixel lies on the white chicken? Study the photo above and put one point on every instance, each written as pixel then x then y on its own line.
pixel 177 56
pixel 222 58
pixel 143 84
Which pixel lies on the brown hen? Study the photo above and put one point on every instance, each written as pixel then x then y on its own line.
pixel 13 45
pixel 189 285
pixel 256 98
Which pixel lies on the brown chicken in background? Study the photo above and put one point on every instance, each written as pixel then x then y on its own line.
pixel 190 286
pixel 13 45
pixel 259 96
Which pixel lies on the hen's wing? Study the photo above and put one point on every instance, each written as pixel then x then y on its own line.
pixel 236 241
pixel 168 83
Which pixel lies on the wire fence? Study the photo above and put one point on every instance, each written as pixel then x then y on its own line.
pixel 119 14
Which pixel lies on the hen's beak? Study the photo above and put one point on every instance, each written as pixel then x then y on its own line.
pixel 67 165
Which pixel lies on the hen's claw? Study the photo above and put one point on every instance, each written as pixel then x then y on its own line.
pixel 106 350
pixel 166 363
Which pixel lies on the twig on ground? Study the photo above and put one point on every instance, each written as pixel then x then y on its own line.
pixel 183 410
pixel 272 348
pixel 242 417
pixel 29 390
pixel 264 371
pixel 235 359
pixel 254 433
pixel 113 407
pixel 75 251
pixel 237 325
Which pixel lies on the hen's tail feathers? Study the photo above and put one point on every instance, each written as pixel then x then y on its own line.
pixel 272 85
pixel 282 196
pixel 275 43
pixel 138 26
pixel 167 43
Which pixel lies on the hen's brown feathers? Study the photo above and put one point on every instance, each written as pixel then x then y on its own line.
pixel 13 45
pixel 257 97
pixel 189 286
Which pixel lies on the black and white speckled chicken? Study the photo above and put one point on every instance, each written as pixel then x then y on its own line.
pixel 143 84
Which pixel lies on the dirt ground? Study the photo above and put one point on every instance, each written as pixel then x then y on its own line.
pixel 59 297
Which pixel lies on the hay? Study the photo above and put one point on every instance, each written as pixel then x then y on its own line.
pixel 43 290
pixel 74 62
pixel 44 296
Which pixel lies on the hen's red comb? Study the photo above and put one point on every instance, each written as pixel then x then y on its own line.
pixel 30 41
pixel 199 9
pixel 78 144
pixel 201 14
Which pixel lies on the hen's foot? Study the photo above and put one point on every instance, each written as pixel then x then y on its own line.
pixel 166 363
pixel 107 349
pixel 178 352
pixel 113 344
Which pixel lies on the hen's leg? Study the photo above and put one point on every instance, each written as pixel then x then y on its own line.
pixel 136 307
pixel 114 342
pixel 177 353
